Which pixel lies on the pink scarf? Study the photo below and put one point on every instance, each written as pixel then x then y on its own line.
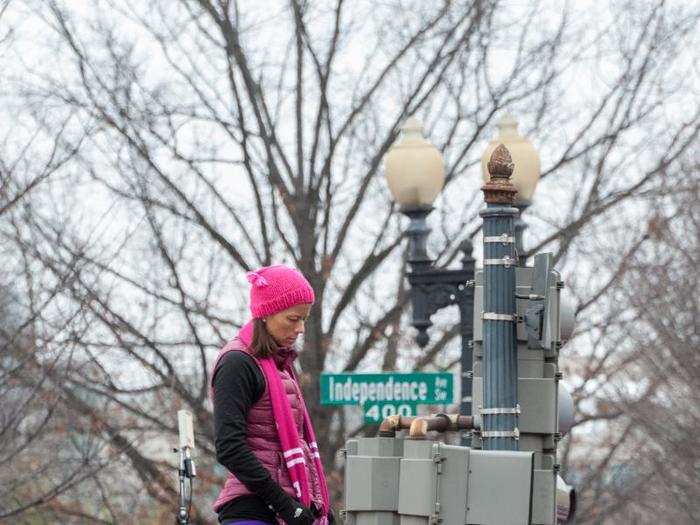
pixel 287 430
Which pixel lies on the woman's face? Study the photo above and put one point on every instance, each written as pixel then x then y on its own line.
pixel 287 325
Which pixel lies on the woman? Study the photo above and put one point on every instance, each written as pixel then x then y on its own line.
pixel 264 436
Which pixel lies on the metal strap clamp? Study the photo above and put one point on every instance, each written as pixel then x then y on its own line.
pixel 506 261
pixel 530 297
pixel 515 433
pixel 495 411
pixel 503 238
pixel 491 316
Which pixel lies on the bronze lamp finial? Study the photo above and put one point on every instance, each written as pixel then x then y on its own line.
pixel 499 189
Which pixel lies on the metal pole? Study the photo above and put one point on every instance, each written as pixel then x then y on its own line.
pixel 520 227
pixel 433 289
pixel 420 262
pixel 466 321
pixel 186 470
pixel 182 515
pixel 418 231
pixel 500 410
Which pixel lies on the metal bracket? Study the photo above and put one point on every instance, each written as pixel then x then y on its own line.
pixel 438 458
pixel 530 297
pixel 515 433
pixel 434 289
pixel 491 316
pixel 507 261
pixel 503 238
pixel 494 411
pixel 536 311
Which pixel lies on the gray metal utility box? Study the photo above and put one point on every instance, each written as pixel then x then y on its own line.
pixel 392 481
pixel 538 377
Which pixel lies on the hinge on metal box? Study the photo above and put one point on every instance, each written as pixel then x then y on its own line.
pixel 438 459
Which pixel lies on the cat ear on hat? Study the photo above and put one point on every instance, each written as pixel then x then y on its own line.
pixel 256 279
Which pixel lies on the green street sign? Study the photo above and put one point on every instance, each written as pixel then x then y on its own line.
pixel 378 411
pixel 421 388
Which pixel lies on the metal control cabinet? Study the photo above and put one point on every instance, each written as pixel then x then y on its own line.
pixel 538 375
pixel 418 482
pixel 391 481
pixel 372 481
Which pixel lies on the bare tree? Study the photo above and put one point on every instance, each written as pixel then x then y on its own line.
pixel 32 418
pixel 208 138
pixel 651 476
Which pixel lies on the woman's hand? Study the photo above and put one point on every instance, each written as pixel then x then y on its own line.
pixel 330 517
pixel 296 514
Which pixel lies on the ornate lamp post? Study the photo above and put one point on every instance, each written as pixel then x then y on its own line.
pixel 415 174
pixel 525 176
pixel 500 363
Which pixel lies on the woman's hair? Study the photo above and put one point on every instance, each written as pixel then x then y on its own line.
pixel 263 344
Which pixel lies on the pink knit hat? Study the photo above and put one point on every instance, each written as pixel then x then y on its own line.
pixel 276 288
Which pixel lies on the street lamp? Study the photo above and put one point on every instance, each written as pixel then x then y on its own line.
pixel 415 170
pixel 525 176
pixel 415 175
